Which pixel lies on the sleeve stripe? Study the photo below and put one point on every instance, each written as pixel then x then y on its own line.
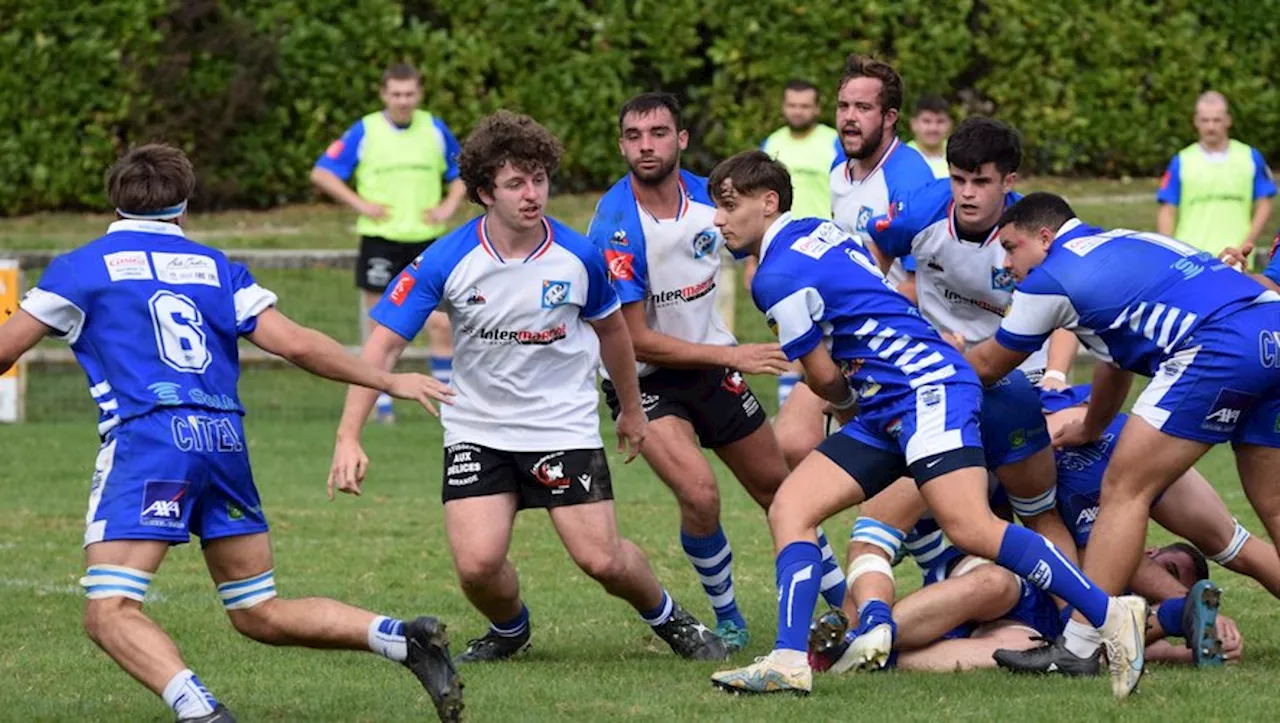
pixel 617 304
pixel 56 312
pixel 251 301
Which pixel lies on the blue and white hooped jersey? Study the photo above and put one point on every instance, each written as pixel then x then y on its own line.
pixel 854 203
pixel 672 265
pixel 524 357
pixel 1130 297
pixel 816 285
pixel 153 319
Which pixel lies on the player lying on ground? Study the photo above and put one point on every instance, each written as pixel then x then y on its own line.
pixel 958 623
pixel 1143 303
pixel 654 227
pixel 533 314
pixel 154 318
pixel 833 310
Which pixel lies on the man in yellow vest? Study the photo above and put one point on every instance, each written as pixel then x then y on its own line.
pixel 809 150
pixel 405 165
pixel 1216 194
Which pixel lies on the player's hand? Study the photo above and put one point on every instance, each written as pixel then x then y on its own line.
pixel 1053 384
pixel 759 359
pixel 1074 434
pixel 421 389
pixel 1232 640
pixel 349 465
pixel 1236 258
pixel 375 211
pixel 954 338
pixel 437 214
pixel 631 427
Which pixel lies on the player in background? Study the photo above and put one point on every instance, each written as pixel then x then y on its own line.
pixel 153 319
pixel 533 314
pixel 403 162
pixel 1217 192
pixel 655 229
pixel 834 310
pixel 879 169
pixel 930 126
pixel 809 149
pixel 1148 304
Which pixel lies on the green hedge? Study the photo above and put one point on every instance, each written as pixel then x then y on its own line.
pixel 255 90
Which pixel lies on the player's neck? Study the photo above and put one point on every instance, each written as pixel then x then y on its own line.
pixel 862 167
pixel 513 242
pixel 661 199
pixel 1216 147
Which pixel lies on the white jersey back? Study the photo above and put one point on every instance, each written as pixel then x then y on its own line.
pixel 672 265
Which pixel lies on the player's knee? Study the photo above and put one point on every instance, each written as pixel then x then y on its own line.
pixel 258 622
pixel 250 604
pixel 111 591
pixel 102 615
pixel 994 586
pixel 700 506
pixel 603 564
pixel 477 571
pixel 979 535
pixel 789 517
pixel 796 444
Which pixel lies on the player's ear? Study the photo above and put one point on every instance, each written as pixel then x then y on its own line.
pixel 682 138
pixel 770 201
pixel 891 117
pixel 486 197
pixel 1010 179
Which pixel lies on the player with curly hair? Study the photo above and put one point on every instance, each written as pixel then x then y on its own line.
pixel 533 314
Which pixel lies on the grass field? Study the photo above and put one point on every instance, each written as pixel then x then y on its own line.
pixel 592 658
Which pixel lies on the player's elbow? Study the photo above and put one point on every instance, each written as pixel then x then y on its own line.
pixel 320 178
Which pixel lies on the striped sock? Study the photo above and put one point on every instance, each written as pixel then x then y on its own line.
pixel 386 638
pixel 786 383
pixel 442 369
pixel 188 697
pixel 712 559
pixel 833 584
pixel 383 405
pixel 660 614
pixel 514 627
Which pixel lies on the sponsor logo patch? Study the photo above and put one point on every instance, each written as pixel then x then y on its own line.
pixel 403 286
pixel 162 502
pixel 1226 411
pixel 127 266
pixel 554 293
pixel 186 269
pixel 620 265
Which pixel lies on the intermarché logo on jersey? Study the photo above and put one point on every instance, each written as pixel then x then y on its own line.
pixel 517 336
pixel 685 295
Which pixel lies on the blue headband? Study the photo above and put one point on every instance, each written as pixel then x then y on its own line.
pixel 160 214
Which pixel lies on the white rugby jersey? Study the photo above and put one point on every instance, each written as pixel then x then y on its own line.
pixel 854 203
pixel 672 265
pixel 524 368
pixel 961 286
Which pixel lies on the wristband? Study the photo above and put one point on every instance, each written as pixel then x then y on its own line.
pixel 1054 374
pixel 849 403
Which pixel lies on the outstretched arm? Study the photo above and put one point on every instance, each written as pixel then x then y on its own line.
pixel 21 332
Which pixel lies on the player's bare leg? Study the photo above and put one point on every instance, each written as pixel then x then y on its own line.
pixel 1032 479
pixel 479 531
pixel 1190 508
pixel 972 653
pixel 590 535
pixel 977 595
pixel 243 569
pixel 672 451
pixel 800 425
pixel 1257 466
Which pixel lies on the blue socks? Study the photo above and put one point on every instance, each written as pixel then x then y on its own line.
pixel 514 627
pixel 660 614
pixel 712 559
pixel 1034 558
pixel 1170 616
pixel 833 583
pixel 799 573
pixel 786 383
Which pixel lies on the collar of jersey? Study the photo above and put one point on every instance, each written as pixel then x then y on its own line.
pixel 772 231
pixel 848 166
pixel 492 250
pixel 954 229
pixel 684 200
pixel 1071 225
pixel 139 226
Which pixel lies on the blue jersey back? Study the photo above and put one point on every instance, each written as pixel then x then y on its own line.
pixel 1130 297
pixel 816 285
pixel 152 317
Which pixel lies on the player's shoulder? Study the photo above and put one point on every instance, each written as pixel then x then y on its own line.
pixel 446 252
pixel 906 167
pixel 572 241
pixel 696 187
pixel 772 139
pixel 925 204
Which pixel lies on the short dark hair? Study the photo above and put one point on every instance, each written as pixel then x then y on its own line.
pixel 1037 210
pixel 502 138
pixel 1198 561
pixel 980 140
pixel 932 103
pixel 400 71
pixel 862 66
pixel 800 85
pixel 751 172
pixel 149 178
pixel 646 103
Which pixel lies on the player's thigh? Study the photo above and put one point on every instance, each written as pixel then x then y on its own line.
pixel 479 531
pixel 1145 462
pixel 141 555
pixel 959 503
pixel 1031 476
pixel 800 425
pixel 757 461
pixel 1191 509
pixel 672 451
pixel 238 558
pixel 589 532
pixel 1257 466
pixel 899 506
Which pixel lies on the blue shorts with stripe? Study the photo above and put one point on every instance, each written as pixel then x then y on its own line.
pixel 1013 426
pixel 173 473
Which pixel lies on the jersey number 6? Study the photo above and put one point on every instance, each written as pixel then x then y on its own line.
pixel 180 337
